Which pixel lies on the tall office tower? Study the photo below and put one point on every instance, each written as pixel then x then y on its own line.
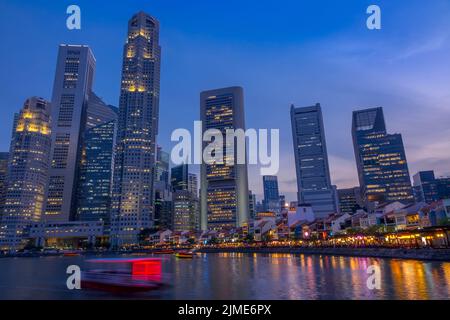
pixel 271 193
pixel 311 160
pixel 251 204
pixel 163 217
pixel 425 187
pixel 162 165
pixel 179 177
pixel 134 168
pixel 349 200
pixel 71 90
pixel 98 112
pixel 443 187
pixel 193 184
pixel 380 159
pixel 27 171
pixel 185 211
pixel 4 158
pixel 224 187
pixel 95 175
pixel 282 201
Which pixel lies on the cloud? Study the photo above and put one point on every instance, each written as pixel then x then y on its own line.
pixel 428 46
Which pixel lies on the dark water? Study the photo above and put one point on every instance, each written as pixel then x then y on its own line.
pixel 242 276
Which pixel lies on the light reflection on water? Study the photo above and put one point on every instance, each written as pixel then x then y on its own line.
pixel 243 276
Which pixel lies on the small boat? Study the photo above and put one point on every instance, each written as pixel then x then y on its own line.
pixel 185 254
pixel 164 251
pixel 123 275
pixel 71 254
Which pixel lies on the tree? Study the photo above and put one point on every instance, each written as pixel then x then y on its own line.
pixel 352 231
pixel 145 233
pixel 266 238
pixel 444 222
pixel 373 230
pixel 249 238
pixel 213 240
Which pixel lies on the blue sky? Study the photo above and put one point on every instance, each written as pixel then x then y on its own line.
pixel 280 52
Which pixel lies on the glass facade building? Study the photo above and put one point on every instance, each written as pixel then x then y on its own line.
pixel 428 188
pixel 349 200
pixel 224 187
pixel 71 90
pixel 163 214
pixel 179 177
pixel 443 188
pixel 252 204
pixel 311 160
pixel 425 187
pixel 4 158
pixel 94 191
pixel 162 166
pixel 381 160
pixel 185 211
pixel 271 193
pixel 27 171
pixel 134 165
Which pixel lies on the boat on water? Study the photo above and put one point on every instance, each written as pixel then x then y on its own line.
pixel 123 275
pixel 164 251
pixel 71 254
pixel 185 254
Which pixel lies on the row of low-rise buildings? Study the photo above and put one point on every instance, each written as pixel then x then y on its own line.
pixel 389 221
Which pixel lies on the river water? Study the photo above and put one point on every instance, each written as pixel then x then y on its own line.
pixel 242 276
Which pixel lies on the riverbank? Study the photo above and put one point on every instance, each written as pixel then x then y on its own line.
pixel 416 254
pixel 390 253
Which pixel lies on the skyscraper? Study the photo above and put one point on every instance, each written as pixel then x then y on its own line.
pixel 162 165
pixel 282 201
pixel 271 193
pixel 425 187
pixel 251 204
pixel 179 177
pixel 311 160
pixel 163 213
pixel 380 158
pixel 224 188
pixel 163 217
pixel 443 187
pixel 349 200
pixel 71 90
pixel 134 169
pixel 193 184
pixel 4 158
pixel 95 178
pixel 27 172
pixel 184 198
pixel 185 211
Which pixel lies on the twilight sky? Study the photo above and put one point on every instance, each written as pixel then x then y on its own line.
pixel 280 52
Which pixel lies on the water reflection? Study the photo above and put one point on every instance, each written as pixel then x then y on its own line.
pixel 243 276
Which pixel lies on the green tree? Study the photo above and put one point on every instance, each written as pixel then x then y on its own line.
pixel 375 229
pixel 249 238
pixel 213 240
pixel 444 221
pixel 145 233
